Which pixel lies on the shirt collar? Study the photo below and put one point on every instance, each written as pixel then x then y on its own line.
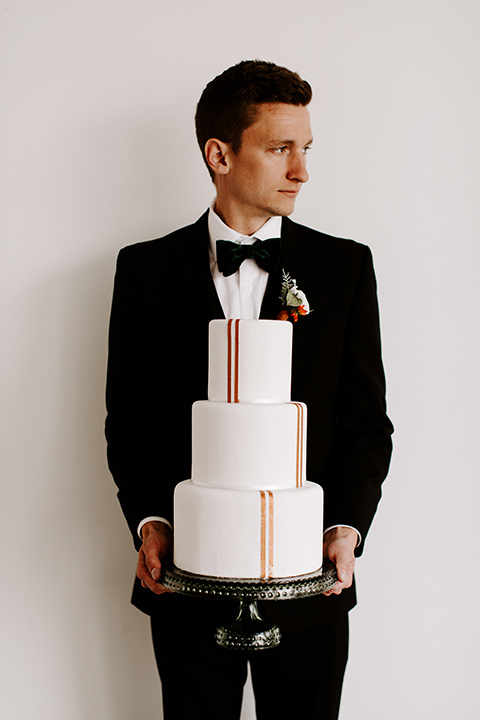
pixel 219 231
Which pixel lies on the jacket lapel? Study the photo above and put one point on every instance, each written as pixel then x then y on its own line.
pixel 202 287
pixel 271 304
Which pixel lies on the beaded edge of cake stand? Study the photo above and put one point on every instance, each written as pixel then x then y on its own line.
pixel 300 586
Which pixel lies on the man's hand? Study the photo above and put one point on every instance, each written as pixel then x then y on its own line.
pixel 157 546
pixel 338 546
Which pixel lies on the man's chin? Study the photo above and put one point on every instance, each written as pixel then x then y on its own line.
pixel 284 209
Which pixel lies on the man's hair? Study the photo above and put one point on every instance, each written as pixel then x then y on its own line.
pixel 229 103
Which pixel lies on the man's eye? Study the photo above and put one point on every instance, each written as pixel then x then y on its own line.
pixel 280 150
pixel 306 149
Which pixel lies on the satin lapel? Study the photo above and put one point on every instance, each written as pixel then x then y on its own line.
pixel 204 295
pixel 200 303
pixel 271 304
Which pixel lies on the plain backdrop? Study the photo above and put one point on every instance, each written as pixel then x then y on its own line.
pixel 98 151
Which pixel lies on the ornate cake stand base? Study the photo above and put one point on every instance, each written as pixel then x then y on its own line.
pixel 249 631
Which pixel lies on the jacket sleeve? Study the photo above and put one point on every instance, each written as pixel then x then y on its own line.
pixel 363 447
pixel 135 429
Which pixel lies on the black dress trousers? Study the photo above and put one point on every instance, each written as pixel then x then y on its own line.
pixel 302 677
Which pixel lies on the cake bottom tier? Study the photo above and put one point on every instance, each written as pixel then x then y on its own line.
pixel 248 533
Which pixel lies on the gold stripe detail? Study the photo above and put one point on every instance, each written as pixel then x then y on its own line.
pixel 263 534
pixel 237 353
pixel 233 360
pixel 266 533
pixel 270 534
pixel 302 444
pixel 229 361
pixel 299 460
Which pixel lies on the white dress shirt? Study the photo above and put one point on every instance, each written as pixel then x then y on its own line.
pixel 240 294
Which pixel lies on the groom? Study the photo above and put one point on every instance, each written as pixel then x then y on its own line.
pixel 253 128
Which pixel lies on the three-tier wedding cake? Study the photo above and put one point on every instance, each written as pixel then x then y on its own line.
pixel 248 510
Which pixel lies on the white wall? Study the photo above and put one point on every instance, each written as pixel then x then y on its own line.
pixel 98 151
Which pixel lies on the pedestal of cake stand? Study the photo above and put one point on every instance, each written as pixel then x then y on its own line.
pixel 249 631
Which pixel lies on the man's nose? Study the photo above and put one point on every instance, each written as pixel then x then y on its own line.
pixel 297 169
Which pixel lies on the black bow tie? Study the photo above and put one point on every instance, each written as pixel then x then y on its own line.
pixel 230 255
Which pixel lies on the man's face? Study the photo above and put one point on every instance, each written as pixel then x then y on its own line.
pixel 267 172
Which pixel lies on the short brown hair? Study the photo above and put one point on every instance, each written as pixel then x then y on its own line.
pixel 227 106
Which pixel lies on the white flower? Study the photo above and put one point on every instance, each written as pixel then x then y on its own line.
pixel 294 301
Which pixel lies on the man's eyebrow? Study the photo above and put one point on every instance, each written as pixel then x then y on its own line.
pixel 290 142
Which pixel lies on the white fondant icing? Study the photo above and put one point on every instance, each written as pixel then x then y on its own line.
pixel 248 511
pixel 245 445
pixel 220 533
pixel 253 355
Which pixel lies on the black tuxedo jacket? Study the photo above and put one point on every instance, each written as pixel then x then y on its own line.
pixel 164 298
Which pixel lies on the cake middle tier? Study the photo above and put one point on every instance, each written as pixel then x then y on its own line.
pixel 248 446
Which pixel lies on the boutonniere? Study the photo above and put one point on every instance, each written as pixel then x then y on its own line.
pixel 294 301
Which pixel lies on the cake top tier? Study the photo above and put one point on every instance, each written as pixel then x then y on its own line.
pixel 250 361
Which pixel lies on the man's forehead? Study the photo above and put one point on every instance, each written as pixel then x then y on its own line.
pixel 281 110
pixel 282 123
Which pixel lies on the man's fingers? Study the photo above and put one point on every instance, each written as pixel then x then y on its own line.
pixel 345 572
pixel 339 548
pixel 344 580
pixel 149 568
pixel 154 566
pixel 146 579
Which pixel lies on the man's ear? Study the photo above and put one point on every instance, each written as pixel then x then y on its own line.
pixel 217 154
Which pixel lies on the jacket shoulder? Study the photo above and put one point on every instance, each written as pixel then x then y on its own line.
pixel 149 249
pixel 316 238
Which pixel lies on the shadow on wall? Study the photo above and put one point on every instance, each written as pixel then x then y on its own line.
pixel 124 655
pixel 105 642
pixel 92 649
pixel 101 644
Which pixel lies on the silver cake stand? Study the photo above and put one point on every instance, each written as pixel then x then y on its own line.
pixel 249 631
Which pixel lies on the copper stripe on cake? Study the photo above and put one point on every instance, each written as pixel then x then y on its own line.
pixel 300 444
pixel 233 357
pixel 237 357
pixel 270 534
pixel 263 534
pixel 266 533
pixel 229 360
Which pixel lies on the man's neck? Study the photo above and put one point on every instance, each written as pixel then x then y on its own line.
pixel 235 219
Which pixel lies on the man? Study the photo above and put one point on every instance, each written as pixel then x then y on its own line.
pixel 253 128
